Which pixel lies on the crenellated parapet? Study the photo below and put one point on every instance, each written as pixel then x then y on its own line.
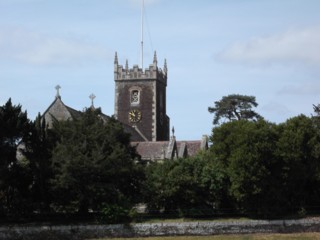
pixel 136 73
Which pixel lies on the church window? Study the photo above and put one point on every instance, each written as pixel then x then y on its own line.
pixel 135 97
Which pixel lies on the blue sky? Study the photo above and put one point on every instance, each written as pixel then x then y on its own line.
pixel 266 48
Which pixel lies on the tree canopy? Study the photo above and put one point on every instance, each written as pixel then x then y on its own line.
pixel 246 151
pixel 93 163
pixel 255 168
pixel 14 174
pixel 235 107
pixel 271 169
pixel 38 152
pixel 188 187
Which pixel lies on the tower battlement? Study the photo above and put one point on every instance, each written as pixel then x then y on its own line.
pixel 136 73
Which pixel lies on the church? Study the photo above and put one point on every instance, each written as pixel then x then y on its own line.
pixel 141 106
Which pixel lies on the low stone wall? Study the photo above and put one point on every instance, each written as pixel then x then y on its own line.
pixel 77 232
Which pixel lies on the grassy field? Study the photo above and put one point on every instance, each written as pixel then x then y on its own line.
pixel 295 236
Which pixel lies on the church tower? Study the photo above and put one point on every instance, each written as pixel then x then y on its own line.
pixel 140 99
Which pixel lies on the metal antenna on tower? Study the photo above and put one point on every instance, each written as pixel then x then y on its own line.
pixel 142 9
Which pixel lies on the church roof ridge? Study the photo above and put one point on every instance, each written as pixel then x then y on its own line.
pixel 54 101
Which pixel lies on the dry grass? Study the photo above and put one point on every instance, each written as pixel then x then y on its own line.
pixel 295 236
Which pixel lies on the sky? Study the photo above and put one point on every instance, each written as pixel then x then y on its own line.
pixel 269 49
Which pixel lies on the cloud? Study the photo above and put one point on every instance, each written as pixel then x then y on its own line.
pixel 34 48
pixel 306 89
pixel 293 46
pixel 276 109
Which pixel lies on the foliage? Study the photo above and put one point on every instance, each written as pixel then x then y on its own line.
pixel 38 148
pixel 189 186
pixel 316 109
pixel 253 167
pixel 93 164
pixel 272 169
pixel 234 107
pixel 114 214
pixel 297 146
pixel 246 150
pixel 14 173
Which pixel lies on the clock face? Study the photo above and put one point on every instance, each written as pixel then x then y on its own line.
pixel 134 115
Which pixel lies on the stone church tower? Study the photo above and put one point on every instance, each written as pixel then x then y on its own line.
pixel 141 107
pixel 140 99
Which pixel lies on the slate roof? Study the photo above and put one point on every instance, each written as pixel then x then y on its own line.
pixel 74 113
pixel 151 150
pixel 169 149
pixel 58 110
pixel 192 147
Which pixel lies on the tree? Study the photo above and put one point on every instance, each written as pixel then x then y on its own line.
pixel 245 150
pixel 316 109
pixel 188 187
pixel 272 169
pixel 298 150
pixel 38 151
pixel 15 176
pixel 93 164
pixel 235 107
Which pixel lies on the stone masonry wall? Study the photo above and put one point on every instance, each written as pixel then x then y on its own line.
pixel 77 232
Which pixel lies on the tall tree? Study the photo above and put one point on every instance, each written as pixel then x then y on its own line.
pixel 245 150
pixel 272 169
pixel 14 173
pixel 38 151
pixel 186 186
pixel 93 164
pixel 235 107
pixel 298 150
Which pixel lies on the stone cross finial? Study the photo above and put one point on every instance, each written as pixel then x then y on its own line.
pixel 92 97
pixel 58 93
